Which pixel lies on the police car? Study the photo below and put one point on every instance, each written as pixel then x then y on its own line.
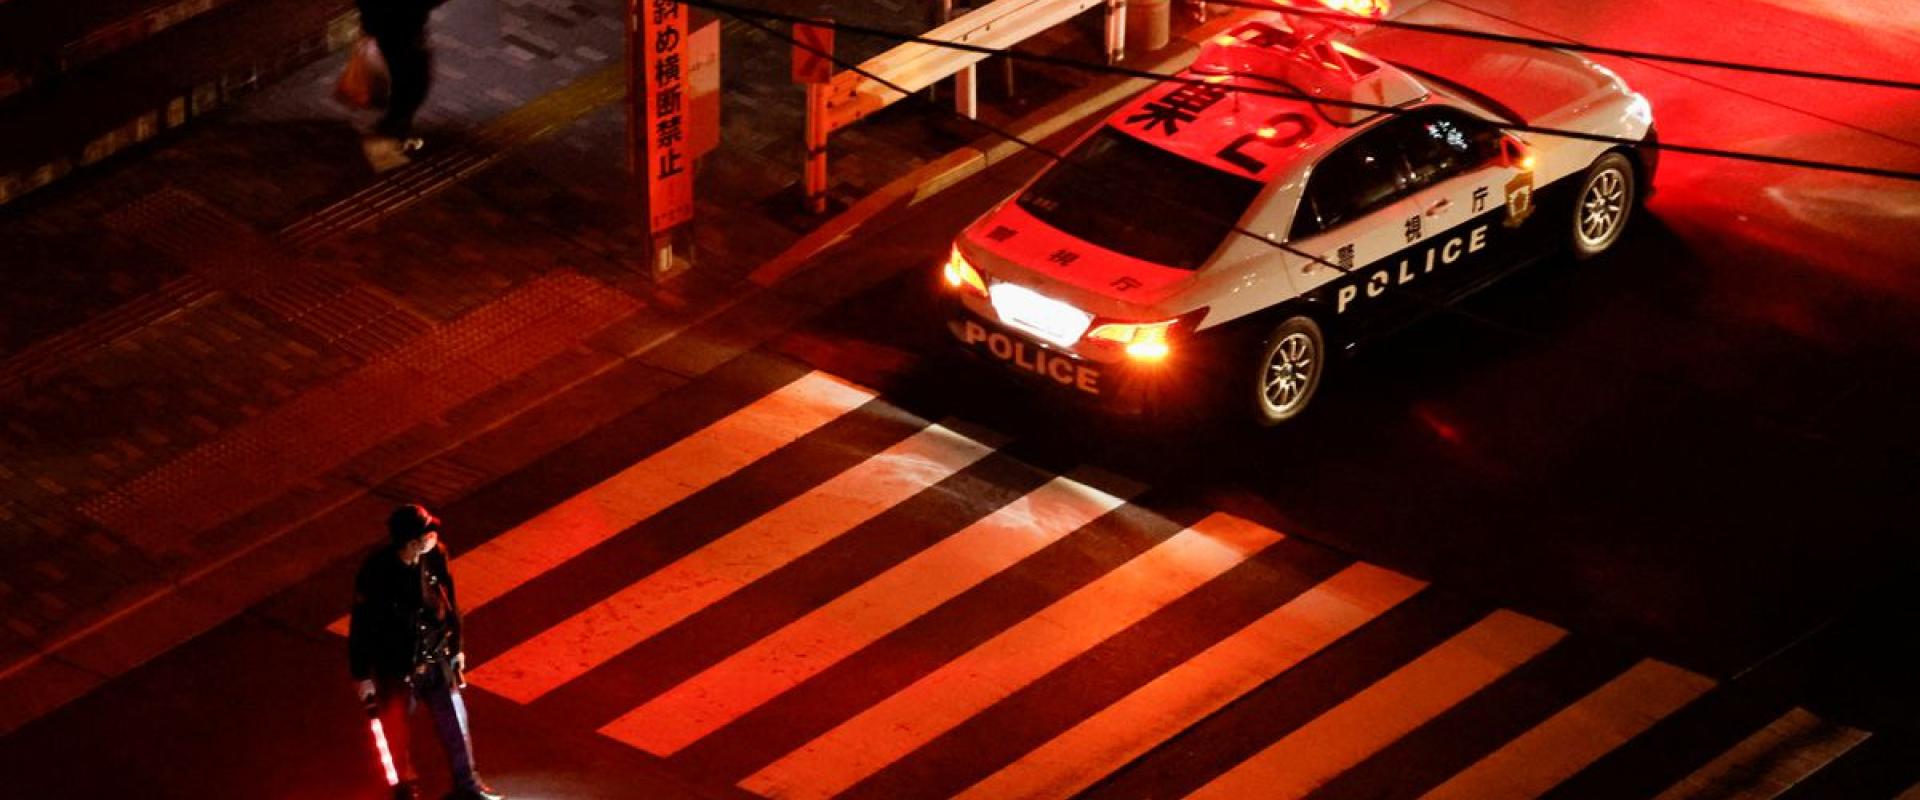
pixel 1299 190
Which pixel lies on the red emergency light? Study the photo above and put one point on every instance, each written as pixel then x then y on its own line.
pixel 1375 9
pixel 1360 8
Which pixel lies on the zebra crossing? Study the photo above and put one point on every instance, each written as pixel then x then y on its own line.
pixel 929 617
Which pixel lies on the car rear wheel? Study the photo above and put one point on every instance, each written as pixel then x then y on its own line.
pixel 1604 206
pixel 1289 365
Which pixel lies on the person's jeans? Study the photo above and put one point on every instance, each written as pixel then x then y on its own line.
pixel 397 701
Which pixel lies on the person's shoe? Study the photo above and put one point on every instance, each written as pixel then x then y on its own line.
pixel 385 153
pixel 406 791
pixel 480 792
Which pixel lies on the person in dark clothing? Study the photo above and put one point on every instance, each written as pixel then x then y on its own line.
pixel 400 28
pixel 404 648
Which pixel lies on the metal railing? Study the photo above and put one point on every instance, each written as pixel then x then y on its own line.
pixel 851 95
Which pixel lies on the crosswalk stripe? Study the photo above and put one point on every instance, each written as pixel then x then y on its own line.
pixel 887 602
pixel 1200 686
pixel 1382 713
pixel 1771 761
pixel 1016 657
pixel 1665 753
pixel 705 576
pixel 1567 742
pixel 644 489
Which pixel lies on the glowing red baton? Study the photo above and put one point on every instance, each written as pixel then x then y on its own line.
pixel 386 758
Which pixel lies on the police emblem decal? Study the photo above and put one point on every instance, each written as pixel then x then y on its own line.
pixel 1519 199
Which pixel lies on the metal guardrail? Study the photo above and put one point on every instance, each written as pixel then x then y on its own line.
pixel 915 65
pixel 886 78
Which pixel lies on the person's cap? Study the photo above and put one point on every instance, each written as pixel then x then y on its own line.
pixel 410 522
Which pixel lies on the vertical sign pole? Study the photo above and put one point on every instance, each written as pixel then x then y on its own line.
pixel 816 148
pixel 636 100
pixel 813 67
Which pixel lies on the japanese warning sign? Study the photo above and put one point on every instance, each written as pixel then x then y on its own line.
pixel 660 34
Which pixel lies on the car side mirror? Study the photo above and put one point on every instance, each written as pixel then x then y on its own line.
pixel 1513 154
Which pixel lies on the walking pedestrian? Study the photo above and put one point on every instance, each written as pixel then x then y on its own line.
pixel 404 649
pixel 399 27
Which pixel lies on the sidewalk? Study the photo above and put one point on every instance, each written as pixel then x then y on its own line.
pixel 222 361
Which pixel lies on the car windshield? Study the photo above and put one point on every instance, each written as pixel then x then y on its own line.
pixel 1130 197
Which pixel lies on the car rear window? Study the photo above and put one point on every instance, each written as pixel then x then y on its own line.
pixel 1133 198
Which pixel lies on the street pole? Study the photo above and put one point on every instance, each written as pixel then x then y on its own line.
pixel 816 183
pixel 813 68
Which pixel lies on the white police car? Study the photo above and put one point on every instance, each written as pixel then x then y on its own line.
pixel 1211 242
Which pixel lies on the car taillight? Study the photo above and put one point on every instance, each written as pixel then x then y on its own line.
pixel 961 274
pixel 1145 341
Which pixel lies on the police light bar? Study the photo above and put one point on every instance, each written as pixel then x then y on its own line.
pixel 1377 9
pixel 1306 55
pixel 1374 9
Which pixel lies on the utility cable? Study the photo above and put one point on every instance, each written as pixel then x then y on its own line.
pixel 1577 47
pixel 1719 85
pixel 739 11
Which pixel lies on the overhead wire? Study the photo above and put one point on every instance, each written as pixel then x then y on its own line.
pixel 1087 66
pixel 1722 85
pixel 1577 47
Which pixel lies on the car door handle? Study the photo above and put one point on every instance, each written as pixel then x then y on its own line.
pixel 1439 208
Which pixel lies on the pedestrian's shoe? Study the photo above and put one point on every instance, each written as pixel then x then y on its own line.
pixel 406 791
pixel 385 152
pixel 477 792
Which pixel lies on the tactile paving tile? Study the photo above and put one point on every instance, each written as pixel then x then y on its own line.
pixel 428 176
pixel 116 412
pixel 234 258
pixel 343 314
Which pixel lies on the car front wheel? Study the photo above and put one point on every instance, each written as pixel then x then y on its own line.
pixel 1604 207
pixel 1289 365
